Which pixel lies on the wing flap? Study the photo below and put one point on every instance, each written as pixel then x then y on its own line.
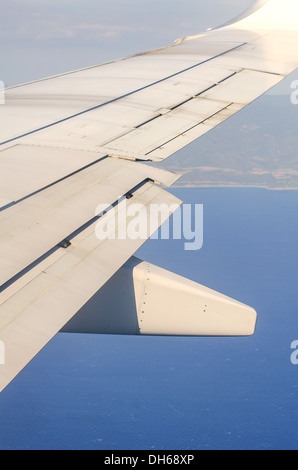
pixel 22 168
pixel 199 114
pixel 40 303
pixel 35 225
pixel 168 148
pixel 243 87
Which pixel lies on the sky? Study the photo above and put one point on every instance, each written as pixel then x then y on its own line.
pixel 40 38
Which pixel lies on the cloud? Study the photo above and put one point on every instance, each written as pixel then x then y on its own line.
pixel 91 30
pixel 45 20
pixel 44 37
pixel 86 20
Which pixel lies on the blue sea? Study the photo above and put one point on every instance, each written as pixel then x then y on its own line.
pixel 157 393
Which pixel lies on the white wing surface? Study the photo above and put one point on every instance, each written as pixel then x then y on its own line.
pixel 75 141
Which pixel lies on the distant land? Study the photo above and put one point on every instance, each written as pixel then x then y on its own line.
pixel 257 147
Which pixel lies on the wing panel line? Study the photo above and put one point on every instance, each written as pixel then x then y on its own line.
pixel 123 96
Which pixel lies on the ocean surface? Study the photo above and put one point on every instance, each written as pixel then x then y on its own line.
pixel 112 392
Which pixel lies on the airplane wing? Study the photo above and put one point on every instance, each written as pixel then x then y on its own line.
pixel 80 140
